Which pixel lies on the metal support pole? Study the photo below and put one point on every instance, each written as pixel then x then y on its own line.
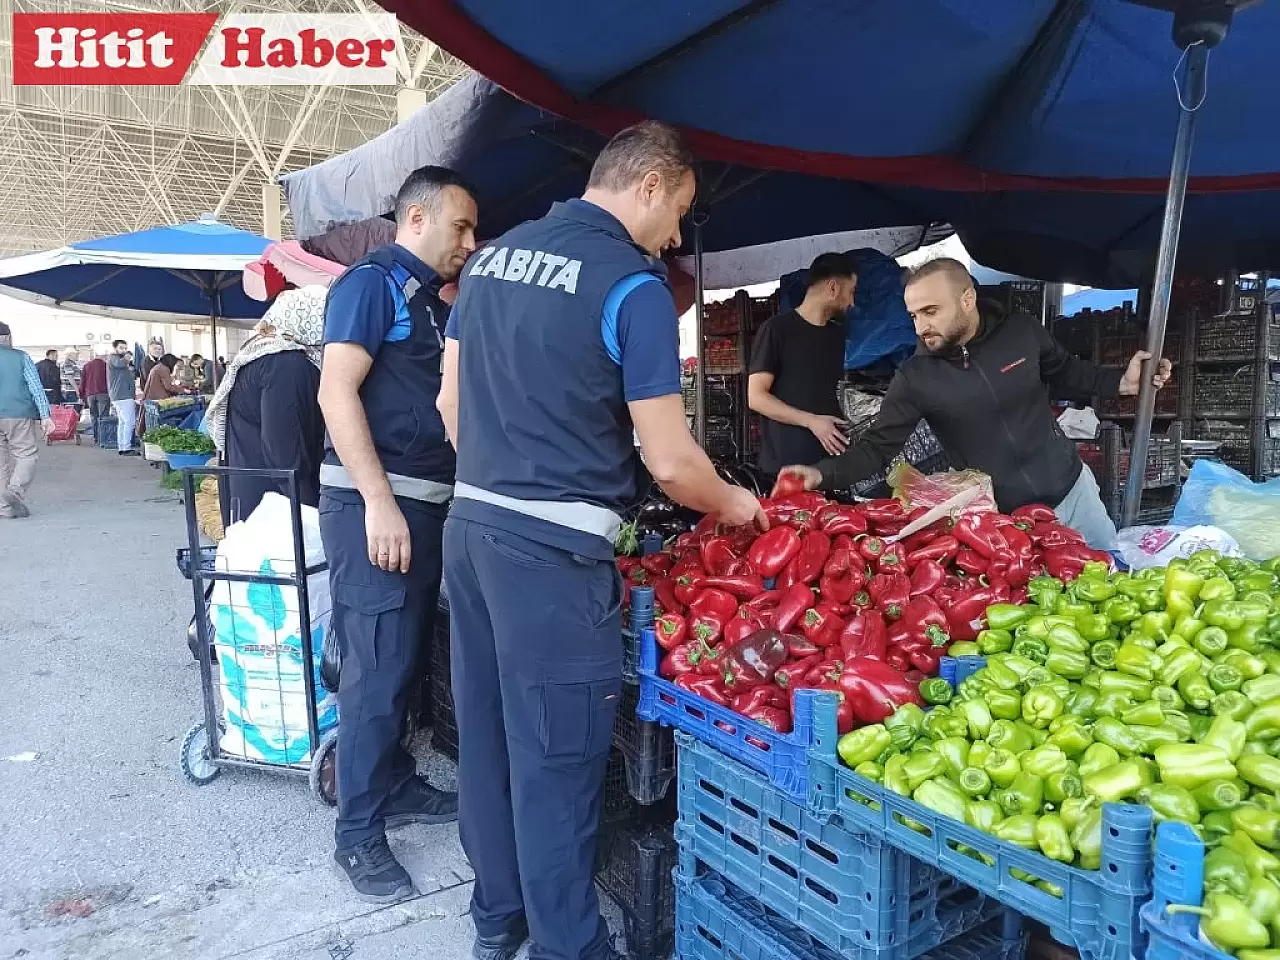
pixel 700 377
pixel 1192 92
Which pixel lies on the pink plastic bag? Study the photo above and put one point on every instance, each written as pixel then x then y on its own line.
pixel 916 489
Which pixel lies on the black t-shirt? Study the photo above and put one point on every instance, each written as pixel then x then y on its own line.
pixel 807 363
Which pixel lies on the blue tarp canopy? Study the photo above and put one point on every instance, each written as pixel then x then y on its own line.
pixel 1042 130
pixel 181 274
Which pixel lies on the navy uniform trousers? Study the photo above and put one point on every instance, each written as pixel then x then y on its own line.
pixel 536 657
pixel 381 619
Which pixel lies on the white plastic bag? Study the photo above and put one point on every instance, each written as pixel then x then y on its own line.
pixel 259 649
pixel 1143 547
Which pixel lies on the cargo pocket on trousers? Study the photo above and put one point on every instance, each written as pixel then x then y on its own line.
pixel 363 632
pixel 579 701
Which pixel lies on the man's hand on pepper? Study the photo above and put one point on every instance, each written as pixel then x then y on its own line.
pixel 809 476
pixel 1133 374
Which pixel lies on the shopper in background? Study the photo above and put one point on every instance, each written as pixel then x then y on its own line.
pixel 564 335
pixel 22 402
pixel 386 481
pixel 70 376
pixel 265 413
pixel 93 391
pixel 162 381
pixel 123 396
pixel 50 377
pixel 155 350
pixel 796 366
pixel 984 383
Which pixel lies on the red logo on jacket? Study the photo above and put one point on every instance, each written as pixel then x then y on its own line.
pixel 1009 366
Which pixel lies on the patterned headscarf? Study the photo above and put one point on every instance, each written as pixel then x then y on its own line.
pixel 294 321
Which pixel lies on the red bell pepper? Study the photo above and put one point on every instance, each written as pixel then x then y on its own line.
pixel 838 561
pixel 752 661
pixel 786 484
pixel 1065 563
pixel 926 621
pixel 626 594
pixel 764 602
pixel 890 593
pixel 659 564
pixel 836 589
pixel 860 600
pixel 815 548
pixel 876 690
pixel 883 511
pixel 826 671
pixel 626 564
pixel 811 500
pixel 787 578
pixel 795 601
pixel 685 540
pixel 775 718
pixel 978 532
pixel 708 688
pixel 864 636
pixel 717 555
pixel 767 695
pixel 713 603
pixel 814 625
pixel 893 559
pixel 773 550
pixel 942 549
pixel 870 549
pixel 676 662
pixel 705 658
pixel 671 630
pixel 968 614
pixel 792 674
pixel 922 538
pixel 744 585
pixel 741 539
pixel 639 575
pixel 707 628
pixel 799 647
pixel 1053 535
pixel 835 614
pixel 971 562
pixel 1033 513
pixel 841 519
pixel 737 628
pixel 664 592
pixel 926 661
pixel 927 577
pixel 1019 543
pixel 845 720
pixel 687 583
pixel 709 524
pixel 899 659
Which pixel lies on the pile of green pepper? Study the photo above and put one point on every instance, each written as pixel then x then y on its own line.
pixel 1160 687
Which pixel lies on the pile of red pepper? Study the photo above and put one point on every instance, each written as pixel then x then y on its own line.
pixel 823 600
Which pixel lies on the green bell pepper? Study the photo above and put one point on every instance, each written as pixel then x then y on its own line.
pixel 1097 757
pixel 1225 871
pixel 1263 689
pixel 1199 724
pixel 1010 735
pixel 1167 697
pixel 1121 610
pixel 1258 861
pixel 1255 608
pixel 1064 636
pixel 1211 641
pixel 923 765
pixel 955 754
pixel 1036 626
pixel 935 690
pixel 994 641
pixel 1196 691
pixel 1187 628
pixel 1227 922
pixel 1019 829
pixel 1264 722
pixel 1135 687
pixel 1095 570
pixel 1087 839
pixel 1044 591
pixel 1093 627
pixel 1178 664
pixel 1271 565
pixel 1168 802
pixel 1156 625
pixel 1260 826
pixel 1053 838
pixel 1006 616
pixel 1043 678
pixel 964 648
pixel 938 725
pixel 1150 599
pixel 1216 825
pixel 905 725
pixel 1135 638
pixel 1069 735
pixel 1258 580
pixel 1227 735
pixel 1272 657
pixel 863 744
pixel 895 777
pixel 1067 663
pixel 1040 705
pixel 1263 901
pixel 1073 809
pixel 1044 761
pixel 1116 735
pixel 1035 649
pixel 1137 661
pixel 978 753
pixel 974 782
pixel 1227 614
pixel 1093 590
pixel 1147 714
pixel 1218 795
pixel 984 815
pixel 1217 590
pixel 1181 591
pixel 1113 705
pixel 942 796
pixel 1251 667
pixel 1254 748
pixel 1020 666
pixel 1000 675
pixel 1081 702
pixel 977 716
pixel 1223 677
pixel 1251 638
pixel 1060 787
pixel 1004 704
pixel 1121 781
pixel 1002 767
pixel 1260 770
pixel 1151 737
pixel 871 770
pixel 1232 704
pixel 1191 764
pixel 1092 679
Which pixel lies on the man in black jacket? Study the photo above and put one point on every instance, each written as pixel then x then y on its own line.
pixel 50 376
pixel 984 384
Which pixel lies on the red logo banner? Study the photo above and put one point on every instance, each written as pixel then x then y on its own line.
pixel 106 49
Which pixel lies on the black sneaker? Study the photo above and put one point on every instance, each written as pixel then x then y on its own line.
pixel 130 453
pixel 420 802
pixel 502 947
pixel 374 871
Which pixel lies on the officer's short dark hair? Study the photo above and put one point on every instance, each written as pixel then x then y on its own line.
pixel 425 186
pixel 827 266
pixel 637 150
pixel 116 343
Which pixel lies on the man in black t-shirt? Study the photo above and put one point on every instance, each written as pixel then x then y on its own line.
pixel 796 364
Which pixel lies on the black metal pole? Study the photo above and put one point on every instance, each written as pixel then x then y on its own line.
pixel 700 377
pixel 1190 98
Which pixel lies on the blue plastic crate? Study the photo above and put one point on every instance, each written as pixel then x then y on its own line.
pixel 855 893
pixel 106 435
pixel 1179 878
pixel 639 615
pixel 782 757
pixel 1097 912
pixel 956 670
pixel 716 922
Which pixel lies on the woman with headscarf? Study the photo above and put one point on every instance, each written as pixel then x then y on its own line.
pixel 160 383
pixel 265 413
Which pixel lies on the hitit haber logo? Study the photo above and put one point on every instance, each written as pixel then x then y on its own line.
pixel 149 49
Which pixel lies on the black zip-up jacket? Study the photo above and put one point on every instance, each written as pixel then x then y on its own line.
pixel 988 402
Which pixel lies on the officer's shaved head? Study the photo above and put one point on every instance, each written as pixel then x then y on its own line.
pixel 644 148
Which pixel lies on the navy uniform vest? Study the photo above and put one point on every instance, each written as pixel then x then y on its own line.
pixel 542 415
pixel 399 393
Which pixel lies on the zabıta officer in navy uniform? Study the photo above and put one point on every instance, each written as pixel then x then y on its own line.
pixel 563 339
pixel 385 484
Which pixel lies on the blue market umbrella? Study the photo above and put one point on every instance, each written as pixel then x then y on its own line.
pixel 189 273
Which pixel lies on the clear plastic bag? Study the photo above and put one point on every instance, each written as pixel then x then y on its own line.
pixel 1216 495
pixel 916 489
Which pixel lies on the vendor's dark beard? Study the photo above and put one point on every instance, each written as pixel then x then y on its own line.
pixel 947 345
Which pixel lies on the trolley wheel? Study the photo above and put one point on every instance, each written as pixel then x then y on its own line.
pixel 196 765
pixel 324 769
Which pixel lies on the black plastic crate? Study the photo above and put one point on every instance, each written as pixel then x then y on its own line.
pixel 648 748
pixel 1230 393
pixel 636 872
pixel 1235 338
pixel 438 708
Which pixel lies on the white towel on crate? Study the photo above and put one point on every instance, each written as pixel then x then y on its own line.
pixel 261 677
